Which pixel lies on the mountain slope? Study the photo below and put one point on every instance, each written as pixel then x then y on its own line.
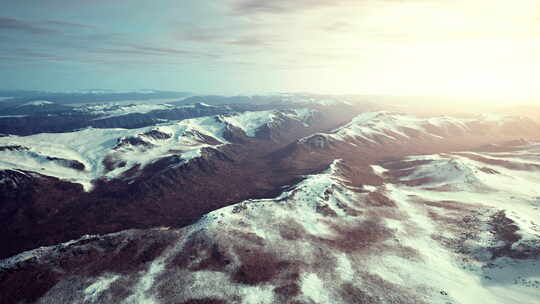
pixel 373 136
pixel 325 239
pixel 86 155
pixel 376 128
pixel 141 178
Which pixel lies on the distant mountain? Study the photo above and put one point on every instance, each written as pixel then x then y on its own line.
pixel 72 111
pixel 90 96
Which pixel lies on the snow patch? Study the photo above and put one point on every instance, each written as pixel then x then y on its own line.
pixel 313 288
pixel 103 283
pixel 37 103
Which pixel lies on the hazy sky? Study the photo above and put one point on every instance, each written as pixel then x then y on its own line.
pixel 484 48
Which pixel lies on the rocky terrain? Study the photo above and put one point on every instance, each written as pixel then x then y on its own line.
pixel 313 201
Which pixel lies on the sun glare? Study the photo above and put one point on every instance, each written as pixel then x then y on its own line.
pixel 485 49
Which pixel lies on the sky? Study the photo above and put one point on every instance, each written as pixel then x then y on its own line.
pixel 470 48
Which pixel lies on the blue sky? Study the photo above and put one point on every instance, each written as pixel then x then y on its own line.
pixel 255 46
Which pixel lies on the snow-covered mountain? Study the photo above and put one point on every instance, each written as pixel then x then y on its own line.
pixel 272 203
pixel 37 103
pixel 41 112
pixel 376 128
pixel 86 155
pixel 327 240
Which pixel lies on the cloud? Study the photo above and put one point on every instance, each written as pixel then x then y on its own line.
pixel 66 24
pixel 171 51
pixel 27 27
pixel 43 27
pixel 21 52
pixel 339 26
pixel 244 36
pixel 248 7
pixel 134 49
pixel 248 41
pixel 30 55
pixel 198 34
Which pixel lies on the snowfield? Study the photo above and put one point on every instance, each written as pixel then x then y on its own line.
pixel 470 199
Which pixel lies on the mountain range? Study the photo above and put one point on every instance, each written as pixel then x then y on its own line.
pixel 287 198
